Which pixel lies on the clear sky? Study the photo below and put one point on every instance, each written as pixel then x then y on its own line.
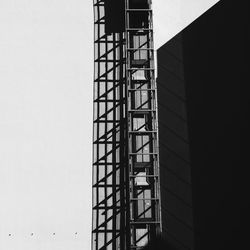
pixel 46 68
pixel 171 16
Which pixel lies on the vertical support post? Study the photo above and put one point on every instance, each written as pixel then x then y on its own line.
pixel 143 169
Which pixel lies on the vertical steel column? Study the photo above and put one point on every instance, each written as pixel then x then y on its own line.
pixel 143 169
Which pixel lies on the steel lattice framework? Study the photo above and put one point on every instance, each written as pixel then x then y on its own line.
pixel 126 189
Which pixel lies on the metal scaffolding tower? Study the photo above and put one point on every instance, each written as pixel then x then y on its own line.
pixel 126 189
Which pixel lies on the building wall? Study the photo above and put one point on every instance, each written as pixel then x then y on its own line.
pixel 213 104
pixel 174 146
pixel 203 119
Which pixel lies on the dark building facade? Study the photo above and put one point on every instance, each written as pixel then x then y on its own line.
pixel 202 121
pixel 175 165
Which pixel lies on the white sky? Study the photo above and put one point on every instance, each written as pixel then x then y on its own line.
pixel 46 68
pixel 171 16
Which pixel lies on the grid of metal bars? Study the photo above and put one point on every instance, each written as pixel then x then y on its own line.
pixel 126 191
pixel 108 134
pixel 143 155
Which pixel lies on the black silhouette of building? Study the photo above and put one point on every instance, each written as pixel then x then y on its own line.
pixel 202 122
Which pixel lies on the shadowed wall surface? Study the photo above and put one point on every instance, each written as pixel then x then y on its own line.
pixel 174 146
pixel 200 77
